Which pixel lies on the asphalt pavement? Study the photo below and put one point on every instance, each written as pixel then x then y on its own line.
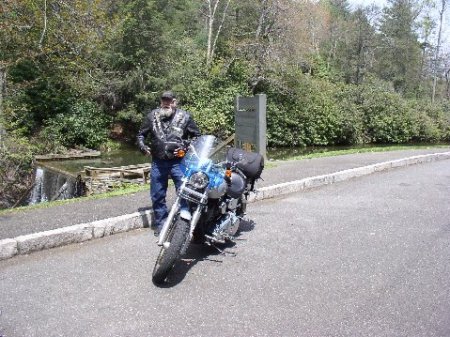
pixel 367 257
pixel 26 222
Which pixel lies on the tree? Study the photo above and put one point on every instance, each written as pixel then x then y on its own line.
pixel 364 46
pixel 427 26
pixel 17 19
pixel 399 55
pixel 46 53
pixel 354 53
pixel 447 83
pixel 2 93
pixel 215 19
pixel 273 36
pixel 438 48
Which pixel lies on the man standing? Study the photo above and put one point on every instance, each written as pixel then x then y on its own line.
pixel 168 128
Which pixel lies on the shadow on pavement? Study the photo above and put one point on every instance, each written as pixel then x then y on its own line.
pixel 200 252
pixel 145 217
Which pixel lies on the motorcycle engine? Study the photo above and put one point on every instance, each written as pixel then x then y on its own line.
pixel 226 228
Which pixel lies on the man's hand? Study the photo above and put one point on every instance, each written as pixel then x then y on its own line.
pixel 179 153
pixel 145 150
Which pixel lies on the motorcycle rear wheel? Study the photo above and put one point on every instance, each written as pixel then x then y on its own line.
pixel 177 237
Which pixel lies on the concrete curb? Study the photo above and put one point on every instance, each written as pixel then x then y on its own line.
pixel 307 183
pixel 26 244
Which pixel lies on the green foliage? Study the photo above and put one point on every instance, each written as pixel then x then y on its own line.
pixel 70 76
pixel 316 112
pixel 351 125
pixel 387 118
pixel 432 120
pixel 16 150
pixel 213 110
pixel 399 55
pixel 40 94
pixel 211 97
pixel 320 113
pixel 83 125
pixel 122 55
pixel 16 156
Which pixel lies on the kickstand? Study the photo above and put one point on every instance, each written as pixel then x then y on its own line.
pixel 222 251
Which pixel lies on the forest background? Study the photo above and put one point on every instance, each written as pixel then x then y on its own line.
pixel 80 73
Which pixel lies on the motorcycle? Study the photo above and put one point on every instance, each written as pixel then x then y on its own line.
pixel 210 203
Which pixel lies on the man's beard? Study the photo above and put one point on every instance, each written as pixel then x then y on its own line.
pixel 165 112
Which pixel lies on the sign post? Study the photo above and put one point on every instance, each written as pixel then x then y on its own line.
pixel 250 123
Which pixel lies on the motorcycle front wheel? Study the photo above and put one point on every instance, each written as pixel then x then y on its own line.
pixel 177 237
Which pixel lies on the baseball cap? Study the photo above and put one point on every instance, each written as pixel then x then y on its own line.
pixel 168 95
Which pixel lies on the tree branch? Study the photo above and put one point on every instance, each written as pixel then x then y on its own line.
pixel 213 37
pixel 44 30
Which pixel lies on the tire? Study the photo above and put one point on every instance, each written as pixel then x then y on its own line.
pixel 178 235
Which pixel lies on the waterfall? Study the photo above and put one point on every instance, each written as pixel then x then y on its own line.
pixel 38 193
pixel 51 185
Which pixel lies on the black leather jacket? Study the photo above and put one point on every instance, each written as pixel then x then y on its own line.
pixel 166 133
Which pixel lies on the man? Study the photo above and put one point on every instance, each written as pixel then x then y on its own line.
pixel 168 128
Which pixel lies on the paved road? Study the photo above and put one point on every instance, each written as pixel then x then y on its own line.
pixel 84 211
pixel 367 257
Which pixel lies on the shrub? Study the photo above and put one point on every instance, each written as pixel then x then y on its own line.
pixel 16 157
pixel 432 123
pixel 85 125
pixel 313 112
pixel 387 117
pixel 211 100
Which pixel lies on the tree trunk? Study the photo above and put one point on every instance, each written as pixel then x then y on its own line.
pixel 214 35
pixel 262 18
pixel 447 80
pixel 436 58
pixel 44 30
pixel 2 92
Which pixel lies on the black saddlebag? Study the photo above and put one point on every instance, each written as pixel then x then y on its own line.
pixel 250 163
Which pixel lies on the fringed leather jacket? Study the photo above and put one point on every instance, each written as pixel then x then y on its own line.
pixel 166 133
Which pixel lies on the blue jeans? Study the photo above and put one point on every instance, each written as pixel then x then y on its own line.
pixel 159 179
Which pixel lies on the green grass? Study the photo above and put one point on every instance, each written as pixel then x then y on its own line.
pixel 132 188
pixel 365 150
pixel 273 163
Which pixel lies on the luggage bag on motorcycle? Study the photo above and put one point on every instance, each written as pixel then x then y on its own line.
pixel 250 163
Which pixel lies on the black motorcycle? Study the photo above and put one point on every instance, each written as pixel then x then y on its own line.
pixel 211 201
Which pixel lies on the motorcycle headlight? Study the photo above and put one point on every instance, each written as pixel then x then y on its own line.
pixel 199 180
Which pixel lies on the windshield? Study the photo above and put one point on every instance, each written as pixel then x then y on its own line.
pixel 202 157
pixel 203 147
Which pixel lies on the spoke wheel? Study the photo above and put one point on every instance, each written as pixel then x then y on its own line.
pixel 177 237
